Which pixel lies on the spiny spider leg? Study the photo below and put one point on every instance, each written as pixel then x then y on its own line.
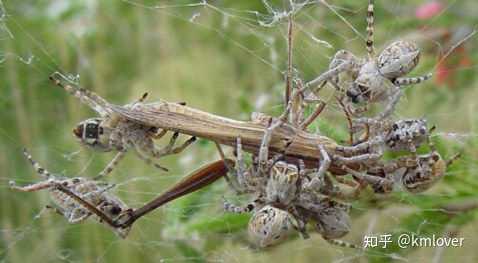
pixel 89 98
pixel 344 66
pixel 40 171
pixel 148 160
pixel 300 225
pixel 412 80
pixel 358 158
pixel 264 149
pixel 341 243
pixel 370 30
pixel 159 135
pixel 78 215
pixel 32 187
pixel 55 210
pixel 232 183
pixel 313 116
pixel 38 168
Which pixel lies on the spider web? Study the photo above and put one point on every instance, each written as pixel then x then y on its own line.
pixel 122 49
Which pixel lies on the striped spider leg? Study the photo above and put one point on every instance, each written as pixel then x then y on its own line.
pixel 109 132
pixel 78 198
pixel 277 189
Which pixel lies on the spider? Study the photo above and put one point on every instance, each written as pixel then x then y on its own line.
pixel 374 79
pixel 415 174
pixel 111 133
pixel 400 135
pixel 77 198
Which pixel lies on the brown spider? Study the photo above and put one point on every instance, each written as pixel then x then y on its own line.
pixel 111 133
pixel 414 174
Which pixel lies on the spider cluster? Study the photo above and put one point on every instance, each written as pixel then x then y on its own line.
pixel 78 198
pixel 288 196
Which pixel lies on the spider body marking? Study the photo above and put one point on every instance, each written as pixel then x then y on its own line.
pixel 94 193
pixel 406 134
pixel 111 133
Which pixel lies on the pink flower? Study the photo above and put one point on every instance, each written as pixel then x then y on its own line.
pixel 428 10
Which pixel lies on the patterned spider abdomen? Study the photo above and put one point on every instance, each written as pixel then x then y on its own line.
pixel 269 226
pixel 369 85
pixel 430 170
pixel 282 185
pixel 407 133
pixel 398 59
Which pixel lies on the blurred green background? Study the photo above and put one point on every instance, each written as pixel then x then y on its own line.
pixel 220 57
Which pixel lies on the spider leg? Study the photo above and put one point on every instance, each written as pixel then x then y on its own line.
pixel 238 181
pixel 394 99
pixel 359 158
pixel 412 80
pixel 87 205
pixel 159 135
pixel 379 184
pixel 78 215
pixel 453 159
pixel 111 165
pixel 370 29
pixel 344 66
pixel 38 168
pixel 148 160
pixel 288 87
pixel 317 179
pixel 87 97
pixel 32 187
pixel 360 147
pixel 341 243
pixel 183 146
pixel 300 224
pixel 140 100
pixel 240 164
pixel 313 116
pixel 55 210
pixel 252 206
pixel 168 150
